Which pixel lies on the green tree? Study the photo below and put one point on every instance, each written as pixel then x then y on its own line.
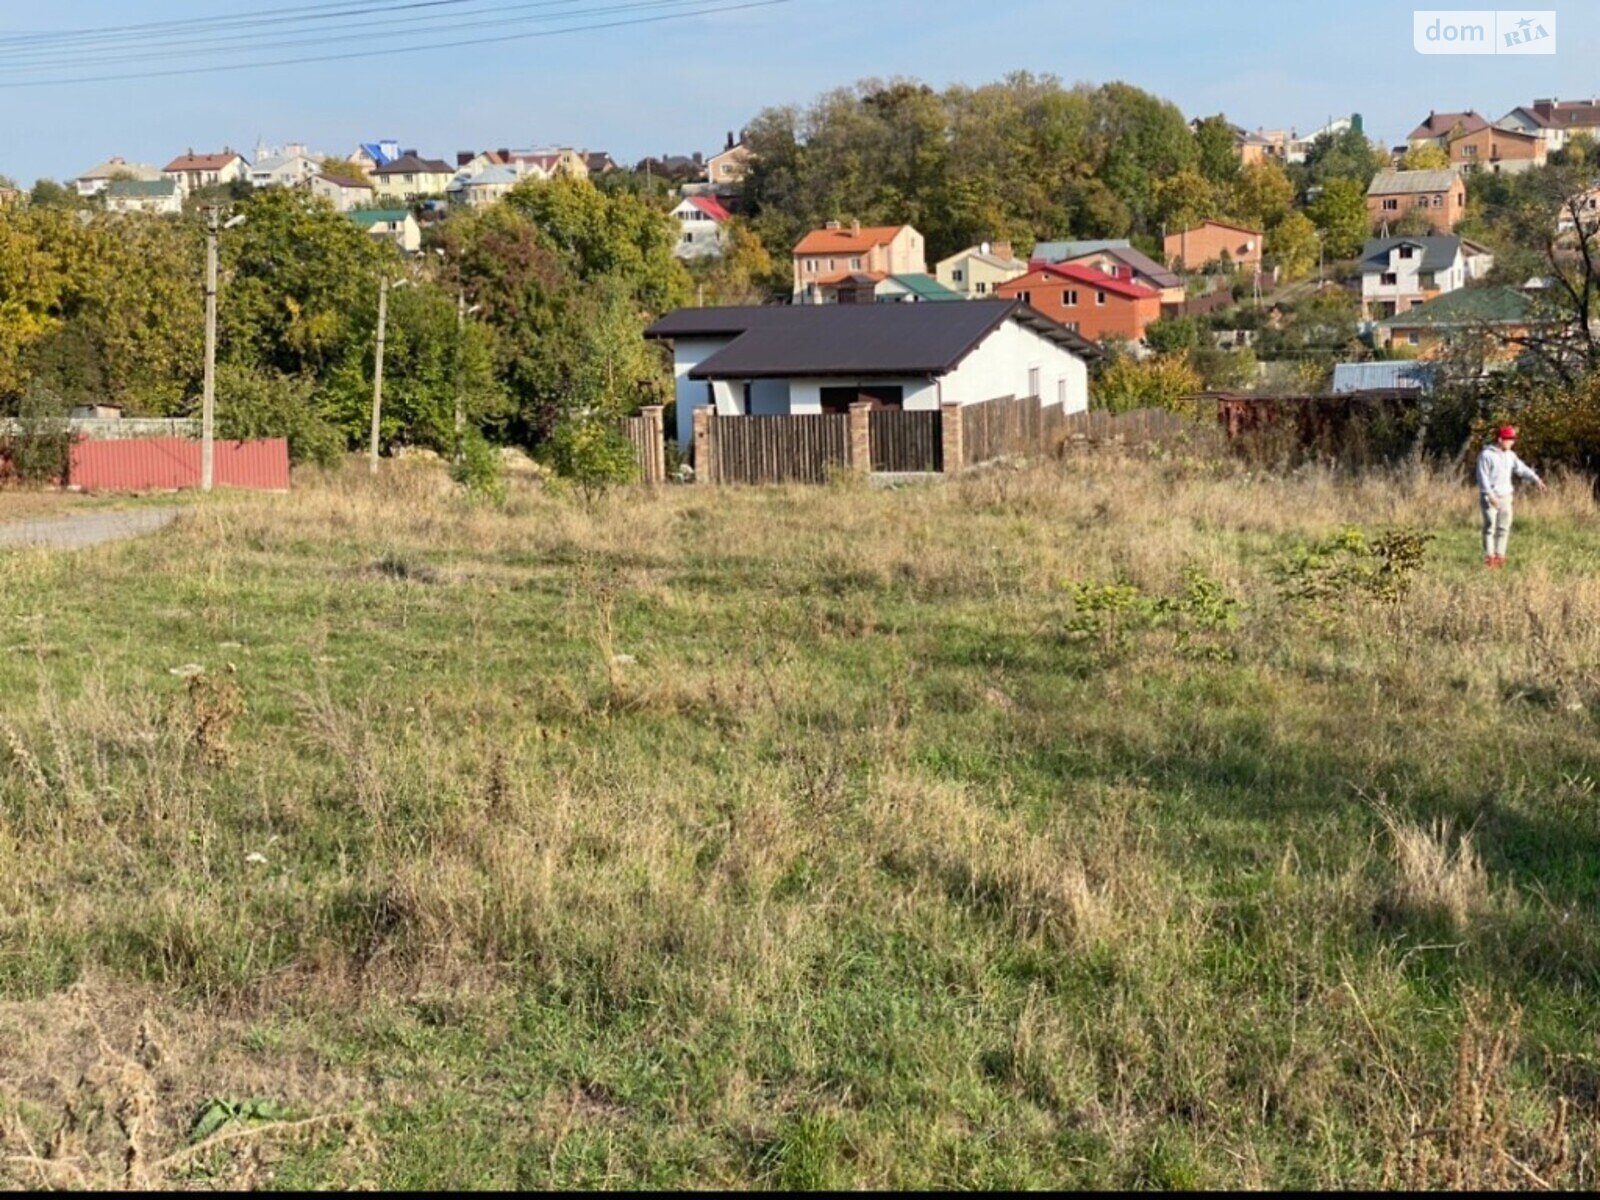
pixel 1262 195
pixel 1292 244
pixel 1347 155
pixel 1427 157
pixel 1184 200
pixel 1218 150
pixel 1172 335
pixel 1340 212
pixel 1163 382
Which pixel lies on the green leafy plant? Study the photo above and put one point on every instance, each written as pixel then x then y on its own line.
pixel 480 470
pixel 216 1114
pixel 1350 564
pixel 592 454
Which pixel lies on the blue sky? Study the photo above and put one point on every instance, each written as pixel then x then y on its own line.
pixel 677 86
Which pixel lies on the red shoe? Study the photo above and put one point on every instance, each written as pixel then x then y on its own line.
pixel 1499 560
pixel 1491 561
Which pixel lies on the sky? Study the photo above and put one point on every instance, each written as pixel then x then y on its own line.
pixel 677 86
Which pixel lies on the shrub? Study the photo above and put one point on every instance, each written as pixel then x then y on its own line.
pixel 480 470
pixel 261 403
pixel 592 454
pixel 38 448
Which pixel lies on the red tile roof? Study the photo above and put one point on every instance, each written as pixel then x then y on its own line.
pixel 1440 123
pixel 711 207
pixel 1089 277
pixel 847 241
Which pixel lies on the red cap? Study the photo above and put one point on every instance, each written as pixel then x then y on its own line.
pixel 1507 432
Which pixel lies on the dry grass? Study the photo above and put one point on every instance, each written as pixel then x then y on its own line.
pixel 786 837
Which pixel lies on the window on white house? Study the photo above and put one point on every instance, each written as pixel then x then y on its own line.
pixel 1407 251
pixel 1033 381
pixel 1061 392
pixel 958 275
pixel 983 289
pixel 1389 279
pixel 855 264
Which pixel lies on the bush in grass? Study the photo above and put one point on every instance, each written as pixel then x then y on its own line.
pixel 480 470
pixel 37 448
pixel 592 454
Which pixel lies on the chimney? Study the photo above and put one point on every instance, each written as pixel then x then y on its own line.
pixel 855 226
pixel 830 225
pixel 1002 250
pixel 463 157
pixel 729 146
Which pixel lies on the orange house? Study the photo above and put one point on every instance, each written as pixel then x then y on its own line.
pixel 828 256
pixel 1214 241
pixel 1441 195
pixel 1088 302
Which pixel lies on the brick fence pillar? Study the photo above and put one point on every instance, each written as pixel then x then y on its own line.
pixel 703 467
pixel 655 463
pixel 861 436
pixel 950 438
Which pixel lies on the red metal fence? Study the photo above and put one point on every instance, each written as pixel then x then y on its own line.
pixel 170 464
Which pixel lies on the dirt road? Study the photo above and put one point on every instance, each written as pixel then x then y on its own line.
pixel 84 529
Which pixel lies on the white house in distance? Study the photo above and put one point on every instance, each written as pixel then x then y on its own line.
pixel 284 166
pixel 794 359
pixel 95 180
pixel 1399 273
pixel 700 224
pixel 159 196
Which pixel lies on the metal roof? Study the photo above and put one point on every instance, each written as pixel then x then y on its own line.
pixel 1054 252
pixel 1400 183
pixel 1439 253
pixel 926 287
pixel 780 341
pixel 1381 376
pixel 1467 307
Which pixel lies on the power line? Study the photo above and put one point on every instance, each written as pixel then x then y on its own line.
pixel 384 30
pixel 299 12
pixel 304 60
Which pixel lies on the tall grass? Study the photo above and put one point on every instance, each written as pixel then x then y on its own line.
pixel 795 836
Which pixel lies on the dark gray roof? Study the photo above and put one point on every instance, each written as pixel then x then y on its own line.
pixel 1438 252
pixel 778 341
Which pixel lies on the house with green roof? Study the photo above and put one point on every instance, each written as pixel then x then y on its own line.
pixel 162 196
pixel 395 225
pixel 1503 313
pixel 913 288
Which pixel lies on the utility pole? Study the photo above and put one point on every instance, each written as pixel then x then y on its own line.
pixel 461 383
pixel 377 370
pixel 208 403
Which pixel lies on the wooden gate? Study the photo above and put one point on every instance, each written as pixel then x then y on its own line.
pixel 781 449
pixel 906 441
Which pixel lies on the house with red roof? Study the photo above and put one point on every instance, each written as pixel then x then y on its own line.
pixel 192 171
pixel 1086 300
pixel 854 254
pixel 700 221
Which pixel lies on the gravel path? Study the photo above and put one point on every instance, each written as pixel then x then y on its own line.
pixel 85 529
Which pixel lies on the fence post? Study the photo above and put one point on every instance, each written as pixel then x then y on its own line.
pixel 861 436
pixel 655 455
pixel 703 468
pixel 950 438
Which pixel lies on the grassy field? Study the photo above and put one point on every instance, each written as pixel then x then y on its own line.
pixel 1105 822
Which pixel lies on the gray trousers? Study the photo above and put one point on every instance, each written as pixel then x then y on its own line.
pixel 1496 526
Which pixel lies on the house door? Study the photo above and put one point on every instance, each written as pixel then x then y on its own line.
pixel 839 399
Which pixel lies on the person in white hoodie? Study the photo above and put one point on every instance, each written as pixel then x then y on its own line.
pixel 1498 467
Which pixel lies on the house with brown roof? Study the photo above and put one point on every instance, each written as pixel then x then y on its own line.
pixel 1555 120
pixel 1441 127
pixel 1441 195
pixel 1087 301
pixel 192 171
pixel 728 167
pixel 344 194
pixel 1213 242
pixel 1115 257
pixel 826 257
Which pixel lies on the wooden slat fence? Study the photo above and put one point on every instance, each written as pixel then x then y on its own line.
pixel 1009 425
pixel 906 441
pixel 649 443
pixel 1138 427
pixel 778 449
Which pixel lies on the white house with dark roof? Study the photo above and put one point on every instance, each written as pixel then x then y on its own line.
pixel 781 360
pixel 1399 273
